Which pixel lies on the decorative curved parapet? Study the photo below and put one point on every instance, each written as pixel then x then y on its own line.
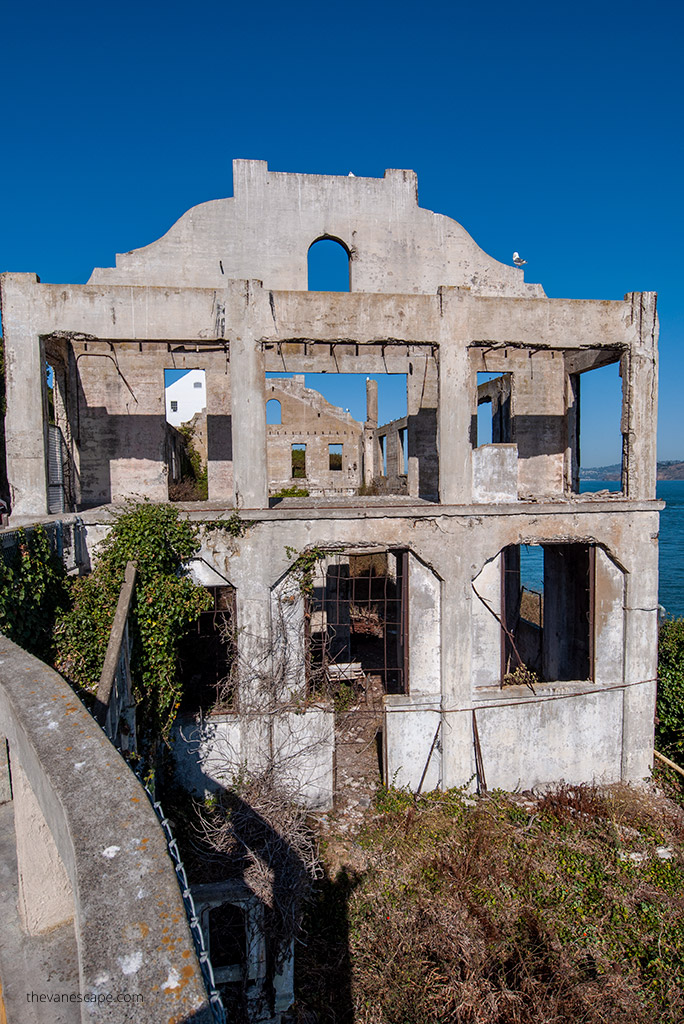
pixel 131 930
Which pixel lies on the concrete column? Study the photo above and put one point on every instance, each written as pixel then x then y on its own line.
pixel 641 655
pixel 422 387
pixel 249 423
pixel 641 392
pixel 219 434
pixel 458 758
pixel 371 453
pixel 457 402
pixel 45 896
pixel 5 780
pixel 25 382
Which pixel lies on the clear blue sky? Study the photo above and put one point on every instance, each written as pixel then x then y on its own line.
pixel 552 129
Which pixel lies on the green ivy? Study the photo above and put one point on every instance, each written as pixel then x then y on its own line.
pixel 670 706
pixel 32 590
pixel 304 565
pixel 166 603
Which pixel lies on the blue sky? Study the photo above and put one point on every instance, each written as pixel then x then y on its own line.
pixel 551 129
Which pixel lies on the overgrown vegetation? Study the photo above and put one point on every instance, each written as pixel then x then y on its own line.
pixel 33 590
pixel 291 492
pixel 166 603
pixel 670 710
pixel 505 910
pixel 193 484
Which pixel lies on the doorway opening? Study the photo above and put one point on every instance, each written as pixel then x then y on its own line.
pixel 185 402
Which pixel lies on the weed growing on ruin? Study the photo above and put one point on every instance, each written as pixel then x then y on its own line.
pixel 234 525
pixel 304 566
pixel 291 492
pixel 166 603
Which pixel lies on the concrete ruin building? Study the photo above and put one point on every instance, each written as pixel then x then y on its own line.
pixel 414 594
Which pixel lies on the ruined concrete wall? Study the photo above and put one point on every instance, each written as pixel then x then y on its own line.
pixel 265 231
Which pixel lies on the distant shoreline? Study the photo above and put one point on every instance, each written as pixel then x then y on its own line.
pixel 672 470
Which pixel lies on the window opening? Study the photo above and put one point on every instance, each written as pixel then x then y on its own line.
pixel 548 612
pixel 358 623
pixel 340 419
pixel 186 434
pixel 493 423
pixel 206 655
pixel 335 457
pixel 329 266
pixel 298 461
pixel 273 412
pixel 403 452
pixel 594 422
pixel 382 441
pixel 226 931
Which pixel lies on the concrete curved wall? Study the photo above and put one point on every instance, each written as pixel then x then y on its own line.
pixel 130 923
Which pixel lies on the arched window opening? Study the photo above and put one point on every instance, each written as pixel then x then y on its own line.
pixel 329 266
pixel 273 412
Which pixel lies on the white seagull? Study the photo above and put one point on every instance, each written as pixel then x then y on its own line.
pixel 517 260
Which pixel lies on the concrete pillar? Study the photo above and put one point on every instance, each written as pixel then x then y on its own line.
pixel 422 387
pixel 219 434
pixel 371 453
pixel 25 382
pixel 248 423
pixel 457 401
pixel 45 896
pixel 640 412
pixel 5 780
pixel 641 656
pixel 458 758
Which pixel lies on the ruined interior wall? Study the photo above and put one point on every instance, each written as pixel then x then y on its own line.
pixel 307 418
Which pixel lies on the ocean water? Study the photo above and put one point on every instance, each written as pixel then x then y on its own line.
pixel 671 546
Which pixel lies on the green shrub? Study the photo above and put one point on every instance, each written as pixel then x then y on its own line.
pixel 32 590
pixel 670 707
pixel 166 603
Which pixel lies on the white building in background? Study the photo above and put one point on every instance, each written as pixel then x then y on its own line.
pixel 185 397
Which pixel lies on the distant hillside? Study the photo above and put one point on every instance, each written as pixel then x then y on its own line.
pixel 671 470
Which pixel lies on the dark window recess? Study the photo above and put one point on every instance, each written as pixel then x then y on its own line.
pixel 549 631
pixel 227 936
pixel 206 655
pixel 358 624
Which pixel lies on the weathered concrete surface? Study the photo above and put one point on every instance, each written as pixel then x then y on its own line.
pixel 129 920
pixel 32 966
pixel 265 231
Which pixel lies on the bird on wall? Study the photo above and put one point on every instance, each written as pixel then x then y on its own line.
pixel 517 259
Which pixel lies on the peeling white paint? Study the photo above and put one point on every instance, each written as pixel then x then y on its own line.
pixel 78 764
pixel 173 980
pixel 111 851
pixel 132 963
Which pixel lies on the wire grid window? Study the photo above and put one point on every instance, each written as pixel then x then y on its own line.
pixel 358 621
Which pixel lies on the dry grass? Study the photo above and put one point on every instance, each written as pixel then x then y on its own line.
pixel 561 907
